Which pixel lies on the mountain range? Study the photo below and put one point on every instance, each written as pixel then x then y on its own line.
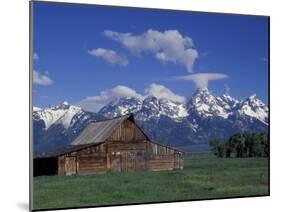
pixel 181 124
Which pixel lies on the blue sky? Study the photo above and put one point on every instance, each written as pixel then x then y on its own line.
pixel 88 55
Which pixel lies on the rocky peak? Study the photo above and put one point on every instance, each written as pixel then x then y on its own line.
pixel 253 107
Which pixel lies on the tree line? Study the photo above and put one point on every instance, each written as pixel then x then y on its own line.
pixel 241 145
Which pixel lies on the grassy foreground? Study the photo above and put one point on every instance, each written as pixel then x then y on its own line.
pixel 203 177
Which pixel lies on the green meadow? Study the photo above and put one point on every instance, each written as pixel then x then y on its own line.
pixel 203 177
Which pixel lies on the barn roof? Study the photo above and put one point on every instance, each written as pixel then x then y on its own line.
pixel 62 151
pixel 99 131
pixel 165 145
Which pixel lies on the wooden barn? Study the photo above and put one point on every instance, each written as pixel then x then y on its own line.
pixel 114 145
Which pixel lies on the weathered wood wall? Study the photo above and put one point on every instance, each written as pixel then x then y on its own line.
pixel 127 131
pixel 92 159
pixel 161 162
pixel 89 160
pixel 161 157
pixel 127 149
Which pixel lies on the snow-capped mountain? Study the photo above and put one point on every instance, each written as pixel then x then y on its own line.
pixel 56 126
pixel 121 106
pixel 204 104
pixel 198 120
pixel 145 109
pixel 61 114
pixel 203 117
pixel 254 108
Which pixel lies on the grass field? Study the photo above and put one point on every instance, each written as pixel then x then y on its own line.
pixel 204 177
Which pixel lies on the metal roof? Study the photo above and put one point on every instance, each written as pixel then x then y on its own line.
pixel 99 131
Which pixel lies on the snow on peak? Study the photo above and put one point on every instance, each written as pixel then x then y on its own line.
pixel 172 109
pixel 64 105
pixel 121 106
pixel 253 97
pixel 153 107
pixel 227 102
pixel 255 101
pixel 206 105
pixel 61 114
pixel 145 109
pixel 254 107
pixel 226 97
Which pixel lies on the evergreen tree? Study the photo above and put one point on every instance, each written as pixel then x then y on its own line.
pixel 242 145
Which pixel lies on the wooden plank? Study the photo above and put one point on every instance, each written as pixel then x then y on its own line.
pixel 70 165
pixel 61 166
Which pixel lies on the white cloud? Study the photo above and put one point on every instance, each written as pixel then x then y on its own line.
pixel 167 46
pixel 41 79
pixel 95 103
pixel 35 56
pixel 161 92
pixel 110 56
pixel 201 79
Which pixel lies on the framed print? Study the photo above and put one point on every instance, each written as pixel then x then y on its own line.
pixel 137 105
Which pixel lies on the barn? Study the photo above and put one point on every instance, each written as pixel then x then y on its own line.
pixel 115 145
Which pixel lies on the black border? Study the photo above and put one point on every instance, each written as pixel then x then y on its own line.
pixel 31 107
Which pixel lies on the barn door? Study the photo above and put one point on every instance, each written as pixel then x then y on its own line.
pixel 116 163
pixel 133 161
pixel 70 165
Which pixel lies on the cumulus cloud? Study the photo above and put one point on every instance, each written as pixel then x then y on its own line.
pixel 41 79
pixel 201 79
pixel 35 56
pixel 110 56
pixel 95 103
pixel 161 92
pixel 167 46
